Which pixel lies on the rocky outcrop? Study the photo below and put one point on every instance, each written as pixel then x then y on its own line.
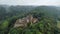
pixel 23 22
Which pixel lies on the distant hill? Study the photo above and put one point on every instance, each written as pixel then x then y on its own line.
pixel 49 10
pixel 9 11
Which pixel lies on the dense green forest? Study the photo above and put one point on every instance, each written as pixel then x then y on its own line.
pixel 48 18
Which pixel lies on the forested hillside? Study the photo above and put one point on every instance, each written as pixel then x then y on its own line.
pixel 47 19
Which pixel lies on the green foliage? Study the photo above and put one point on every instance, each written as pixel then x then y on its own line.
pixel 4 25
pixel 15 31
pixel 46 20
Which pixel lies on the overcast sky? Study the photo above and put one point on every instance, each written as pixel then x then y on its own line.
pixel 31 2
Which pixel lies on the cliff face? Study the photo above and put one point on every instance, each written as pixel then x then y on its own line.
pixel 23 22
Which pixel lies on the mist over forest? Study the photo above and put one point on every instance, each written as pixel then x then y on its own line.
pixel 48 19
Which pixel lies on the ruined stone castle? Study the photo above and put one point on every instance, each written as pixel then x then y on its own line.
pixel 23 22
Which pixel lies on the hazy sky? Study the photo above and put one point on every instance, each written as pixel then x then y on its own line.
pixel 31 2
